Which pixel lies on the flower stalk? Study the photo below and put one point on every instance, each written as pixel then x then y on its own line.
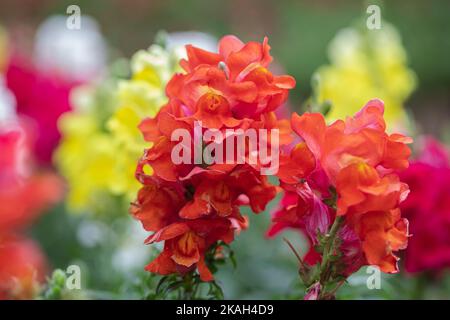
pixel 320 279
pixel 330 250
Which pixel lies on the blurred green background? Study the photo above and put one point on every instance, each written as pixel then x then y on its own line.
pixel 299 33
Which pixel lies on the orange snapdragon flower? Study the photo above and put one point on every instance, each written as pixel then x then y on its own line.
pixel 361 138
pixel 381 233
pixel 192 205
pixel 347 169
pixel 238 72
pixel 362 189
pixel 191 215
pixel 186 244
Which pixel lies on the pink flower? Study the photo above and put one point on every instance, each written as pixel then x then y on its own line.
pixel 428 208
pixel 42 98
pixel 24 194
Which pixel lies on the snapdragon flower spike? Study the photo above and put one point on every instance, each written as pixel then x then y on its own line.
pixel 345 174
pixel 193 205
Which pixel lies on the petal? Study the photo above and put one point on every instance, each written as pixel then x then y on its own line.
pixel 186 249
pixel 163 264
pixel 284 82
pixel 238 61
pixel 205 273
pixel 298 165
pixel 396 153
pixel 229 44
pixel 370 116
pixel 171 231
pixel 195 209
pixel 197 56
pixel 311 128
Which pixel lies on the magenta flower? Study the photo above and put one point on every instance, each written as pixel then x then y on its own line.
pixel 41 98
pixel 428 208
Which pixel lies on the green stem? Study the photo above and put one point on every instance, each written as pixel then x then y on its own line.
pixel 188 286
pixel 328 251
pixel 329 246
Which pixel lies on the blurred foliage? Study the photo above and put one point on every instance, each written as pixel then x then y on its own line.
pixel 299 33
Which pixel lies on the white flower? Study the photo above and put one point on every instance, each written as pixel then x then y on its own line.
pixel 78 54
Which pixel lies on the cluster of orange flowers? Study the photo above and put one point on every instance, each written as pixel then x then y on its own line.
pixel 340 180
pixel 193 205
pixel 347 169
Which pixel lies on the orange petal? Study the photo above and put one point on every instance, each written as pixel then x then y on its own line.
pixel 163 264
pixel 205 273
pixel 311 127
pixel 171 231
pixel 229 44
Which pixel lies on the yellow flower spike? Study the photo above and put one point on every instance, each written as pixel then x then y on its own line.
pixel 98 157
pixel 84 158
pixel 365 64
pixel 140 97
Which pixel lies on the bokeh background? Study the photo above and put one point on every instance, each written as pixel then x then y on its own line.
pixel 299 33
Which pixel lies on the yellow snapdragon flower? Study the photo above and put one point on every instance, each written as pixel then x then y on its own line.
pixel 140 97
pixel 366 64
pixel 101 143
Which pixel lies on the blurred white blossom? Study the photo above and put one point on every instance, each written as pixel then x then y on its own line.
pixel 79 54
